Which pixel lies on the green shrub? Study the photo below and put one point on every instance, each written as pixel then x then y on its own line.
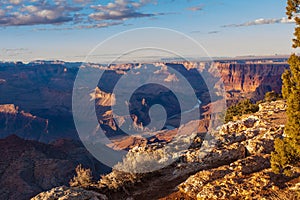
pixel 281 157
pixel 287 151
pixel 241 108
pixel 272 96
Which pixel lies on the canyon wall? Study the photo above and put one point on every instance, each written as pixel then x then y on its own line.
pixel 251 80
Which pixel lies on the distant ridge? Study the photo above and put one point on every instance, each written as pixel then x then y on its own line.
pixel 160 59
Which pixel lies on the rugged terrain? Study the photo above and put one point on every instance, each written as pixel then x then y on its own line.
pixel 237 166
pixel 251 80
pixel 35 105
pixel 22 124
pixel 29 167
pixel 43 90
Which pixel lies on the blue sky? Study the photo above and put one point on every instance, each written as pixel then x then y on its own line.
pixel 69 29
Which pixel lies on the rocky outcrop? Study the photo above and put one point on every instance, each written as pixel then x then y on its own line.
pixel 259 182
pixel 205 183
pixel 250 176
pixel 235 165
pixel 25 125
pixel 103 99
pixel 61 193
pixel 8 108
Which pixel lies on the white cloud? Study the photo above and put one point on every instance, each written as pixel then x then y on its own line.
pixel 99 25
pixel 14 51
pixel 36 12
pixel 78 13
pixel 30 8
pixel 120 10
pixel 263 21
pixel 92 26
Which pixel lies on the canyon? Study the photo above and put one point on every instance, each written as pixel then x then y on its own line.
pixel 44 89
pixel 36 117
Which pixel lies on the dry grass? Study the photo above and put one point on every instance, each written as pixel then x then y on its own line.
pixel 83 177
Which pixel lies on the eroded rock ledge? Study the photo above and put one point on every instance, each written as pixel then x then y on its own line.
pixel 238 166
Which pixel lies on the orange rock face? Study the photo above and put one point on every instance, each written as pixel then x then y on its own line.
pixel 251 79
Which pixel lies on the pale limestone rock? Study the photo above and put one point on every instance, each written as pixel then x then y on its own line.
pixel 64 193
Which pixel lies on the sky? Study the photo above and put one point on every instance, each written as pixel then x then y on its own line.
pixel 69 29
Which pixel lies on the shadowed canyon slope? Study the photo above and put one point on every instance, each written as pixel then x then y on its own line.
pixel 29 167
pixel 25 125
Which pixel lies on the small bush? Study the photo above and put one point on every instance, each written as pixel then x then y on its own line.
pixel 281 158
pixel 272 96
pixel 83 177
pixel 241 108
pixel 117 180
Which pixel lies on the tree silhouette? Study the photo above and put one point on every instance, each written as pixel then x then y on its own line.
pixel 287 149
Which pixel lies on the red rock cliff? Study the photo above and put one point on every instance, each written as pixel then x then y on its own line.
pixel 251 79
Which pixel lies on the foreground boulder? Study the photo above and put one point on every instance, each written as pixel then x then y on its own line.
pixel 63 193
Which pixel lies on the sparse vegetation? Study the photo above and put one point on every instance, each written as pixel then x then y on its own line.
pixel 287 150
pixel 117 180
pixel 272 96
pixel 281 157
pixel 241 108
pixel 83 177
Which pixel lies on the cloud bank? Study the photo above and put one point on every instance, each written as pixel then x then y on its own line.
pixel 76 13
pixel 20 12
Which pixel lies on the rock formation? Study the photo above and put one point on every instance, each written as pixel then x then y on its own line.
pixel 70 193
pixel 250 177
pixel 251 80
pixel 236 167
pixel 36 105
pixel 25 125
